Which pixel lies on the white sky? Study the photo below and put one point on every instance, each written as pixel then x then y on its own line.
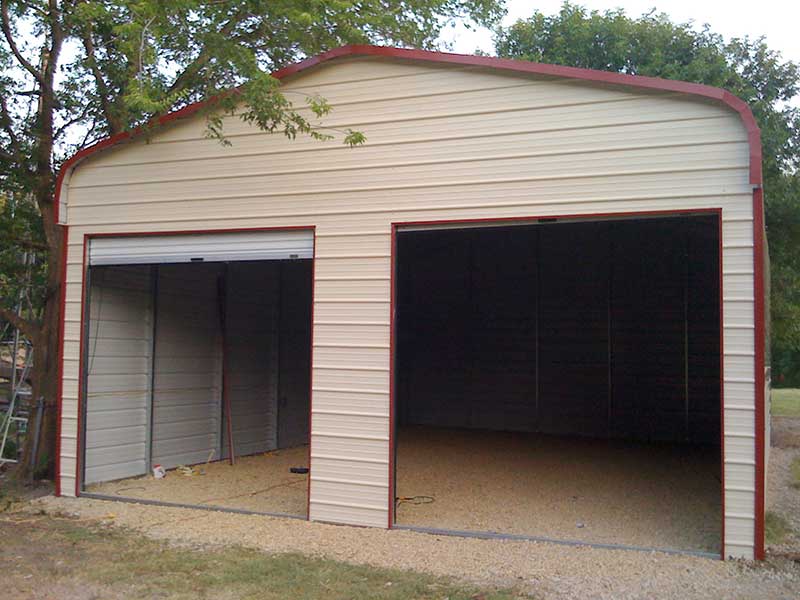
pixel 778 20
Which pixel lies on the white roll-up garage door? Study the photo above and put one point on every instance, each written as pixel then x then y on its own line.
pixel 202 247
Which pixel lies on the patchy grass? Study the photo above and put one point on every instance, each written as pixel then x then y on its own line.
pixel 776 528
pixel 786 402
pixel 75 559
pixel 794 470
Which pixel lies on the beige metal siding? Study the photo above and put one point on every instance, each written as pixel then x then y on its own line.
pixel 443 143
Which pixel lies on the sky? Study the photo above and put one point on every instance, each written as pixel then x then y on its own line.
pixel 778 20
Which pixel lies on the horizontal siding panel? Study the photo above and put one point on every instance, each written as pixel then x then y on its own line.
pixel 739 311
pixel 375 450
pixel 740 451
pixel 740 394
pixel 353 332
pixel 742 421
pixel 247 155
pixel 352 378
pixel 361 357
pixel 346 401
pixel 347 515
pixel 738 233
pixel 350 425
pixel 372 473
pixel 349 493
pixel 298 181
pixel 352 288
pixel 739 477
pixel 739 503
pixel 347 312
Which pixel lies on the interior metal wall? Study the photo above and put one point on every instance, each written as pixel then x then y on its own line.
pixel 252 301
pixel 607 329
pixel 294 366
pixel 118 370
pixel 186 422
pixel 160 402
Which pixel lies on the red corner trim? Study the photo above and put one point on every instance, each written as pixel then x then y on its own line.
pixel 498 64
pixel 760 339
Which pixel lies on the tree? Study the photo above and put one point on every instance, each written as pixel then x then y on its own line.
pixel 72 72
pixel 655 46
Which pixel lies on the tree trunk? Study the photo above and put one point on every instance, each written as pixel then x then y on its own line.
pixel 45 372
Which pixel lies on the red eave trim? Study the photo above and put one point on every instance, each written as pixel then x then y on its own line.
pixel 498 64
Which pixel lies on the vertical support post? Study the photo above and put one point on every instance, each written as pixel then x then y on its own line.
pixel 151 396
pixel 222 290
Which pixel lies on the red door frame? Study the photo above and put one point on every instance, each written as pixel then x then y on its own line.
pixel 81 392
pixel 585 217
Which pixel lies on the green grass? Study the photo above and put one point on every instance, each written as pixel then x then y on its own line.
pixel 794 469
pixel 776 528
pixel 786 402
pixel 119 563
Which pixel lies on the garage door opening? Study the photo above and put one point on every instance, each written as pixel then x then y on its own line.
pixel 184 362
pixel 561 380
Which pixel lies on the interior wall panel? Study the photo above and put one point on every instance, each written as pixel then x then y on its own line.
pixel 118 369
pixel 187 366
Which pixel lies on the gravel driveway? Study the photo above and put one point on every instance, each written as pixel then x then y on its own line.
pixel 544 570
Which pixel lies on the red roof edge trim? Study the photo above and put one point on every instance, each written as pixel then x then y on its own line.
pixel 501 64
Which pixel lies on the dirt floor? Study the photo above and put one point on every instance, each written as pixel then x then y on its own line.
pixel 261 483
pixel 564 488
pixel 662 496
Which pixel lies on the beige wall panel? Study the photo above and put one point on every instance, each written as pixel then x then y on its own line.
pixel 739 311
pixel 355 378
pixel 248 157
pixel 351 425
pixel 355 332
pixel 740 420
pixel 363 289
pixel 369 355
pixel 370 473
pixel 347 514
pixel 355 450
pixel 326 400
pixel 443 143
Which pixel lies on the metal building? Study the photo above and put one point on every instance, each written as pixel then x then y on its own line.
pixel 277 292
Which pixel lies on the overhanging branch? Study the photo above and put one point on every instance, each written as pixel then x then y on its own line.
pixel 5 22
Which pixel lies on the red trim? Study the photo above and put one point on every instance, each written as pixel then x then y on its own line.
pixel 81 366
pixel 311 375
pixel 721 388
pixel 498 64
pixel 60 384
pixel 760 339
pixel 499 221
pixel 392 423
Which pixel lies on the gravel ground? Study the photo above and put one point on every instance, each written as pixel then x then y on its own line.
pixel 260 483
pixel 545 570
pixel 650 495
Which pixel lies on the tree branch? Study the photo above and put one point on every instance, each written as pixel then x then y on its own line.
pixel 102 89
pixel 5 21
pixel 202 59
pixel 5 115
pixel 30 329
